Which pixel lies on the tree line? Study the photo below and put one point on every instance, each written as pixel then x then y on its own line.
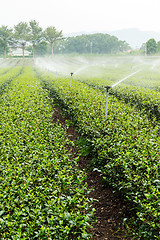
pixel 28 36
pixel 32 37
pixel 98 43
pixel 151 47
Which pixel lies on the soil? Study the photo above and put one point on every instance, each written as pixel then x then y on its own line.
pixel 110 208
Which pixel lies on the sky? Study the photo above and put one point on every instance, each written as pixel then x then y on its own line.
pixel 83 15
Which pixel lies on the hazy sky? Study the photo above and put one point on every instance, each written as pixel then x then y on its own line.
pixel 83 15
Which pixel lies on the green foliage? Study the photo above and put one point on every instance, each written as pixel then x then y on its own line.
pixel 41 49
pixel 6 38
pixel 158 46
pixel 31 33
pixel 124 147
pixel 35 34
pixel 147 100
pixel 151 46
pixel 21 35
pixel 94 43
pixel 1 50
pixel 7 77
pixel 51 35
pixel 4 70
pixel 42 193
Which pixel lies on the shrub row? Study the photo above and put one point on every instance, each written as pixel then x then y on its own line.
pixel 142 98
pixel 5 79
pixel 124 147
pixel 4 70
pixel 42 192
pixel 147 77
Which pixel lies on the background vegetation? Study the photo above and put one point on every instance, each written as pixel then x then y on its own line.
pixel 39 42
pixel 32 37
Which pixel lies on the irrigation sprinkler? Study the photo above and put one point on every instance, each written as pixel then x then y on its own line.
pixel 107 95
pixel 108 87
pixel 71 79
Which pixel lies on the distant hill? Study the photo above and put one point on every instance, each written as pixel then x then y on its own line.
pixel 134 37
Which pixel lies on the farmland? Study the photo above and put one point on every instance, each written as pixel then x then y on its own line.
pixel 42 190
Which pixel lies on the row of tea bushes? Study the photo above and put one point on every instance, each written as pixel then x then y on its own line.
pixel 125 147
pixel 146 77
pixel 142 98
pixel 42 192
pixel 7 76
pixel 4 70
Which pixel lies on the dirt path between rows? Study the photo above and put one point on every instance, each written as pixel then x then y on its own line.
pixel 110 208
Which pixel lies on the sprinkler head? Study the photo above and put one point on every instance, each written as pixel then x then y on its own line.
pixel 71 74
pixel 107 88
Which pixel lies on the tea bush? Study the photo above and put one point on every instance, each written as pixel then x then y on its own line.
pixel 125 147
pixel 42 192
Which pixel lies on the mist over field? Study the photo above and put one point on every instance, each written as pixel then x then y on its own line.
pixel 145 70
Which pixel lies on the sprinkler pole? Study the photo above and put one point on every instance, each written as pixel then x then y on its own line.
pixel 71 79
pixel 107 95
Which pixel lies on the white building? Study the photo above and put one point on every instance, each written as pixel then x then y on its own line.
pixel 18 53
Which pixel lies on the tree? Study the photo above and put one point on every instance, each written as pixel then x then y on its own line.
pixel 98 43
pixel 143 49
pixel 6 38
pixel 51 35
pixel 41 48
pixel 21 34
pixel 35 35
pixel 158 46
pixel 151 46
pixel 123 46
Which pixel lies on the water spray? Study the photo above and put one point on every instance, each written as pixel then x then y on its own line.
pixel 71 78
pixel 125 78
pixel 108 87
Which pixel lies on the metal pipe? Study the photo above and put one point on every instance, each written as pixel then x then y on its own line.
pixel 71 79
pixel 107 96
